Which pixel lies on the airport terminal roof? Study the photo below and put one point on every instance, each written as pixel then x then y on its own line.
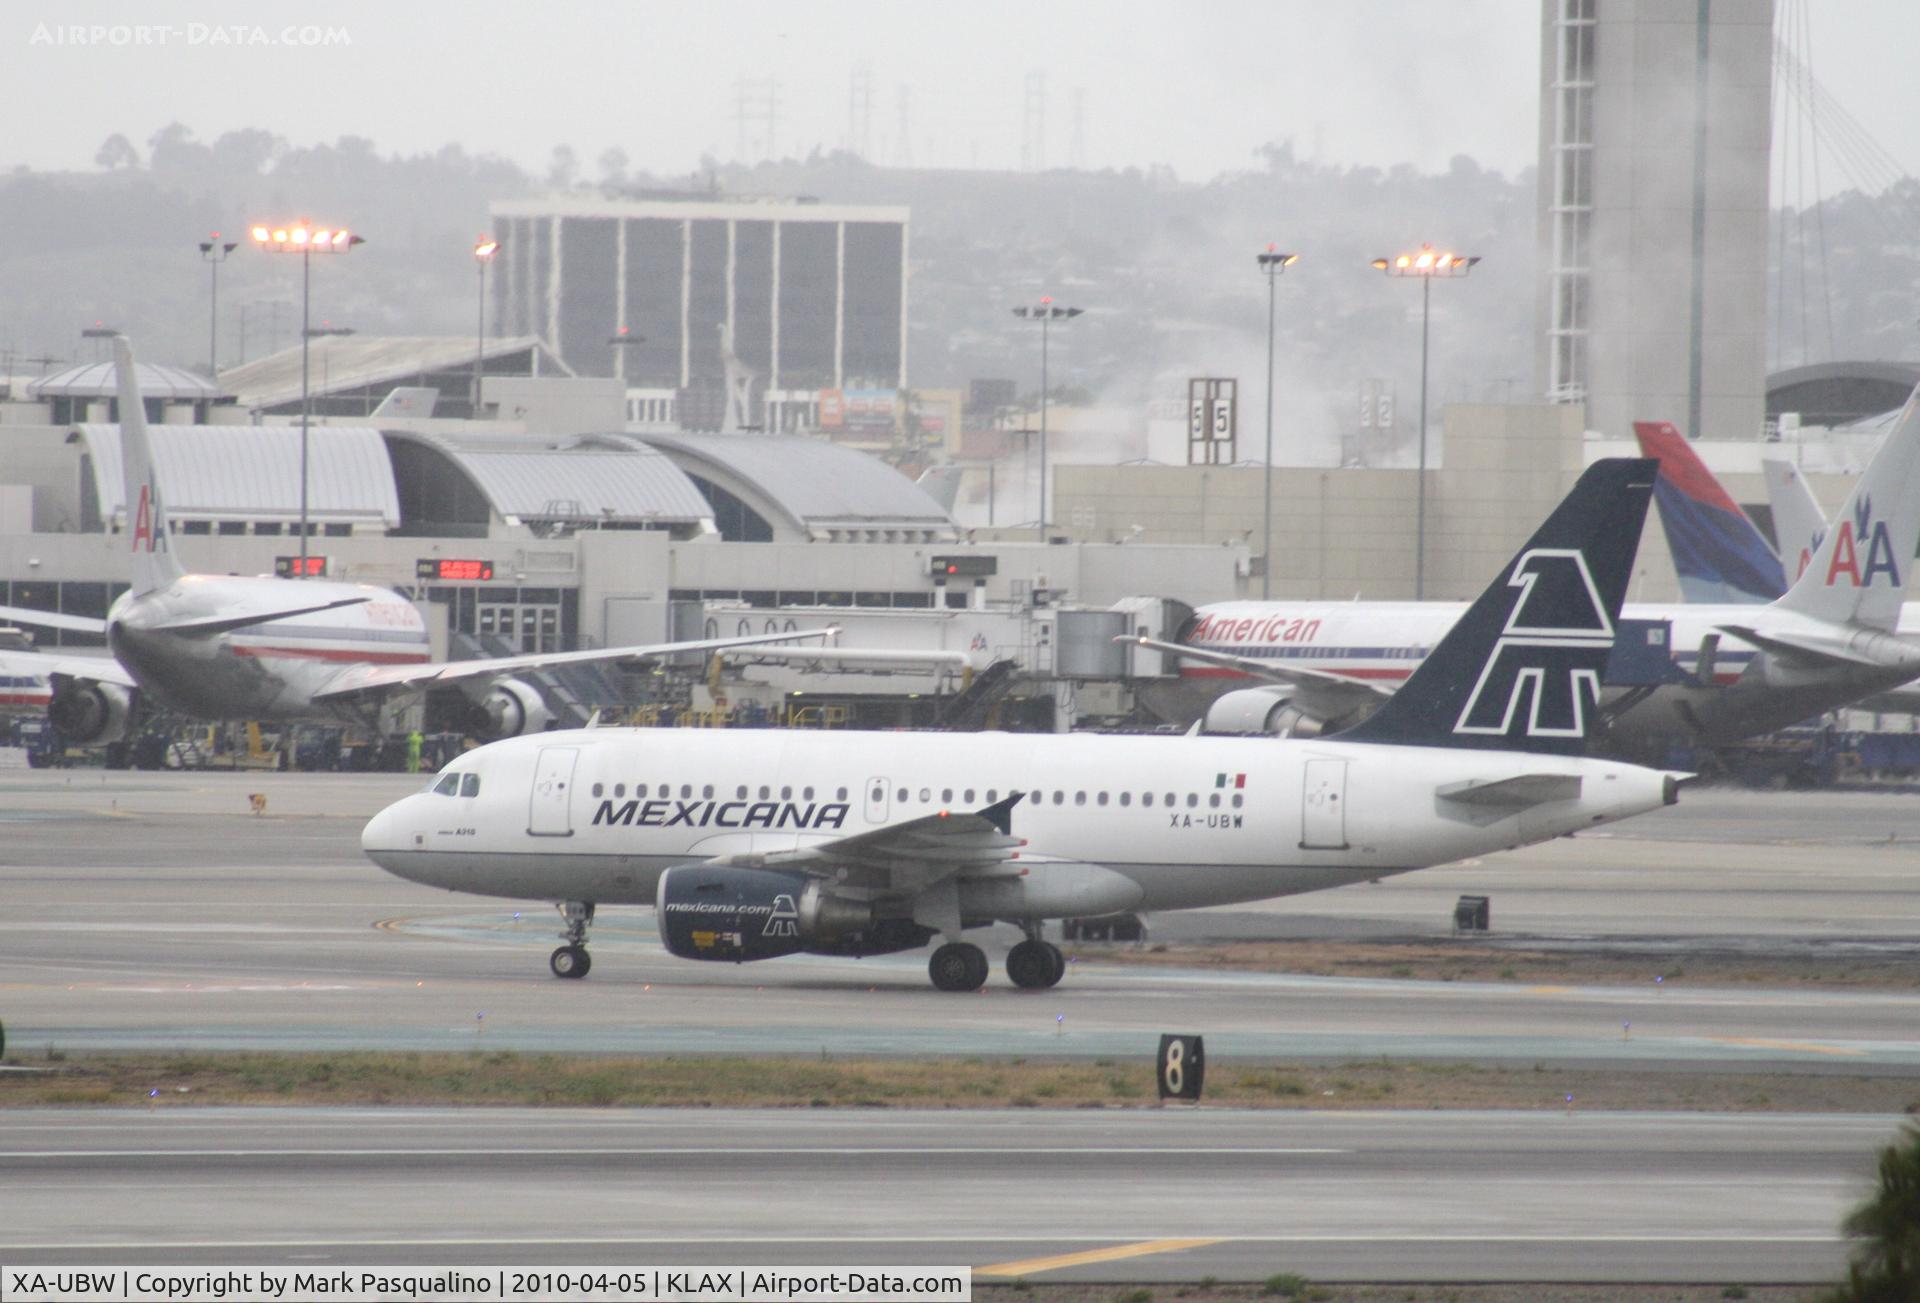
pixel 252 472
pixel 346 362
pixel 96 380
pixel 1841 393
pixel 572 482
pixel 820 489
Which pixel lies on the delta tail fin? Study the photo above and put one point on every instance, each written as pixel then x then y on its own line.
pixel 1717 552
pixel 1521 670
pixel 1858 573
pixel 1798 521
pixel 155 565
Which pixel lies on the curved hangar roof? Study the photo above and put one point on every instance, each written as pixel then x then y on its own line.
pixel 578 484
pixel 812 489
pixel 96 380
pixel 252 472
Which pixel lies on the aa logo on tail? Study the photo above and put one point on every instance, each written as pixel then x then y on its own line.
pixel 145 537
pixel 1862 534
pixel 1544 669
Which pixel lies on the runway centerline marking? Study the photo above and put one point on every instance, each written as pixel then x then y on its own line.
pixel 1113 1253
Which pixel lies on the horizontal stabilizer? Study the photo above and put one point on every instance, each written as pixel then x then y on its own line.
pixel 1864 649
pixel 228 623
pixel 1523 790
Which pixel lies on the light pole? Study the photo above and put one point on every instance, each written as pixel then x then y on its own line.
pixel 1425 264
pixel 1046 312
pixel 214 251
pixel 483 251
pixel 1271 265
pixel 306 240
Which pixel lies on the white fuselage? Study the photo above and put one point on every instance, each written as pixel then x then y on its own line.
pixel 271 670
pixel 1751 691
pixel 596 815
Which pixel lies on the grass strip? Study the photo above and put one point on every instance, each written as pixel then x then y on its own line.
pixel 696 1081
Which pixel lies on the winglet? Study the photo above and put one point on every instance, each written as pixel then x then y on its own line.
pixel 1521 670
pixel 1000 813
pixel 154 563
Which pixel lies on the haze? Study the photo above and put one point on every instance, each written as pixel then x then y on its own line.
pixel 1197 88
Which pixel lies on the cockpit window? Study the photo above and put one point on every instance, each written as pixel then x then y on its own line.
pixel 449 785
pixel 469 784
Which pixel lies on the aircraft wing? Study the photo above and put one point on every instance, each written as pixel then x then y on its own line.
pixel 91 669
pixel 905 857
pixel 52 619
pixel 1325 695
pixel 376 680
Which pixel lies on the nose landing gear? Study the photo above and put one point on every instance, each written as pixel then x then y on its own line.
pixel 572 959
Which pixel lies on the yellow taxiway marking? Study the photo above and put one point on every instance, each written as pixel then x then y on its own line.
pixel 1031 1265
pixel 1802 1046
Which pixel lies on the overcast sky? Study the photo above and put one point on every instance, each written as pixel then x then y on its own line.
pixel 1196 86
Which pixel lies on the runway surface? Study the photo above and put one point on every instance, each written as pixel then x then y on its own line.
pixel 1102 1196
pixel 151 911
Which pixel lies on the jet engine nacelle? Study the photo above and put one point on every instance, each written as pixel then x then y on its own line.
pixel 1269 710
pixel 91 712
pixel 510 708
pixel 741 914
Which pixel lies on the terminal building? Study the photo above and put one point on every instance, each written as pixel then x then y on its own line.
pixel 812 297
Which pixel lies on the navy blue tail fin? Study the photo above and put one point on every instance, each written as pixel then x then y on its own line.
pixel 1521 670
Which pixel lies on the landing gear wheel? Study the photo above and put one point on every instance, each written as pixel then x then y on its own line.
pixel 572 960
pixel 958 966
pixel 1035 965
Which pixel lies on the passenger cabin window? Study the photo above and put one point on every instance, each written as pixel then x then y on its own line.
pixel 1101 799
pixel 1193 799
pixel 901 795
pixel 469 784
pixel 1079 798
pixel 449 785
pixel 841 794
pixel 1126 798
pixel 707 791
pixel 1213 800
pixel 946 796
pixel 1146 798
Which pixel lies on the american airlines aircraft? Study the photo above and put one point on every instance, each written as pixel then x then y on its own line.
pixel 752 846
pixel 1830 640
pixel 261 648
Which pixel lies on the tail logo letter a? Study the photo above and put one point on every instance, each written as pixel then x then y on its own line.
pixel 145 537
pixel 1549 654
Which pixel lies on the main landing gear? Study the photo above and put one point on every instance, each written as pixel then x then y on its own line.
pixel 1035 964
pixel 962 966
pixel 572 959
pixel 958 966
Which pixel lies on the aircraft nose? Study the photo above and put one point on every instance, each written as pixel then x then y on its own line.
pixel 384 832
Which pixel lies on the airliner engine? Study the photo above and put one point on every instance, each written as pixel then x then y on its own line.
pixel 1269 710
pixel 742 914
pixel 90 712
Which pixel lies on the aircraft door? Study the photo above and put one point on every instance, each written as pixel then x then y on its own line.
pixel 550 811
pixel 1323 815
pixel 876 800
